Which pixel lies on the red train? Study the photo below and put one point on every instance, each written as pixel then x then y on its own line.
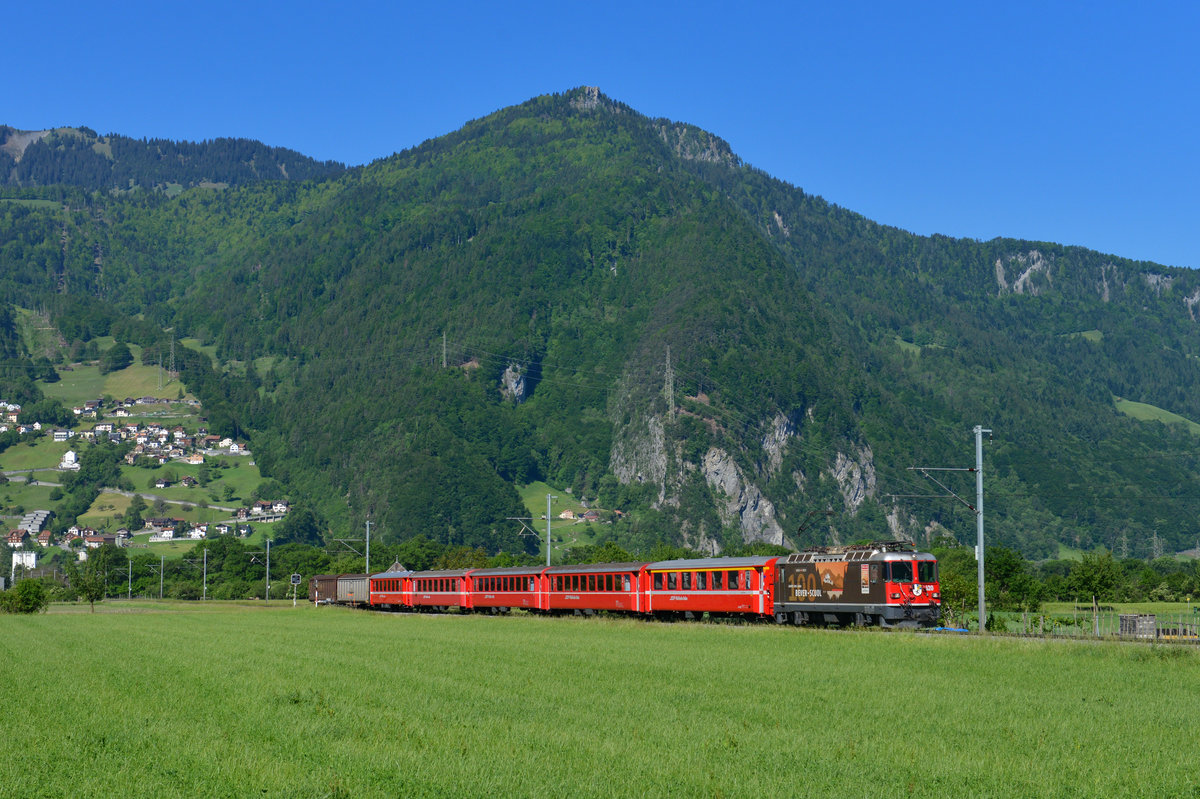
pixel 886 583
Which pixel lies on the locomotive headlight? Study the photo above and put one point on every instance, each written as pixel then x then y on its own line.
pixel 936 595
pixel 895 596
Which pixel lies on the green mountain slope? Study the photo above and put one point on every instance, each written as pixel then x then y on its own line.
pixel 79 157
pixel 569 291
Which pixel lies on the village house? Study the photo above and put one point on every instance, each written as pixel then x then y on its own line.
pixel 70 461
pixel 96 540
pixel 45 538
pixel 188 481
pixel 17 537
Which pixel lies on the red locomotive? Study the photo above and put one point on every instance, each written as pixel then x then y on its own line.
pixel 888 584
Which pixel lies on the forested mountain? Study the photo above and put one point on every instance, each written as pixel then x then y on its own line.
pixel 79 157
pixel 568 290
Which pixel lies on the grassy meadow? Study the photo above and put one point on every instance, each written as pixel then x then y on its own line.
pixel 1152 413
pixel 239 699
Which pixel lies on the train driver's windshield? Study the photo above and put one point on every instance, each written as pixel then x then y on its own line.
pixel 901 571
pixel 927 571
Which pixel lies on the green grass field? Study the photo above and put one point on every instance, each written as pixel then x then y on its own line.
pixel 85 382
pixel 572 533
pixel 41 453
pixel 1151 413
pixel 220 699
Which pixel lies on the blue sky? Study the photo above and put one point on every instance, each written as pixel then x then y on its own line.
pixel 1067 122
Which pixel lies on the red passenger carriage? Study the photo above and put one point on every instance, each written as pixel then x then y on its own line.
pixel 440 590
pixel 720 586
pixel 391 589
pixel 598 586
pixel 500 590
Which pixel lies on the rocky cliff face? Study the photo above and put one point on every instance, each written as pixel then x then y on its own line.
pixel 744 504
pixel 512 384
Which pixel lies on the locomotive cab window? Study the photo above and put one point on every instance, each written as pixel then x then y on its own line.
pixel 927 571
pixel 901 571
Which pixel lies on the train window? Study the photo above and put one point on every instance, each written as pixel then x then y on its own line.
pixel 901 571
pixel 531 586
pixel 718 581
pixel 672 581
pixel 658 581
pixel 732 580
pixel 927 571
pixel 625 579
pixel 607 582
pixel 686 581
pixel 591 582
pixel 874 572
pixel 702 581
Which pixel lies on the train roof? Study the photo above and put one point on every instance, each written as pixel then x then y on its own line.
pixel 439 573
pixel 391 575
pixel 685 564
pixel 507 571
pixel 591 568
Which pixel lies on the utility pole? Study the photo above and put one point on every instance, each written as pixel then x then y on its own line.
pixel 979 431
pixel 548 498
pixel 268 594
pixel 977 508
pixel 205 595
pixel 129 584
pixel 368 557
pixel 162 564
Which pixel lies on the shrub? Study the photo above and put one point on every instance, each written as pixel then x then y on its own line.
pixel 27 596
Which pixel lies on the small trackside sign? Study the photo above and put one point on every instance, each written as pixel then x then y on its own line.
pixel 295 579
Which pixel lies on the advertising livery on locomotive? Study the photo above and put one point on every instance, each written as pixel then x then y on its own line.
pixel 889 584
